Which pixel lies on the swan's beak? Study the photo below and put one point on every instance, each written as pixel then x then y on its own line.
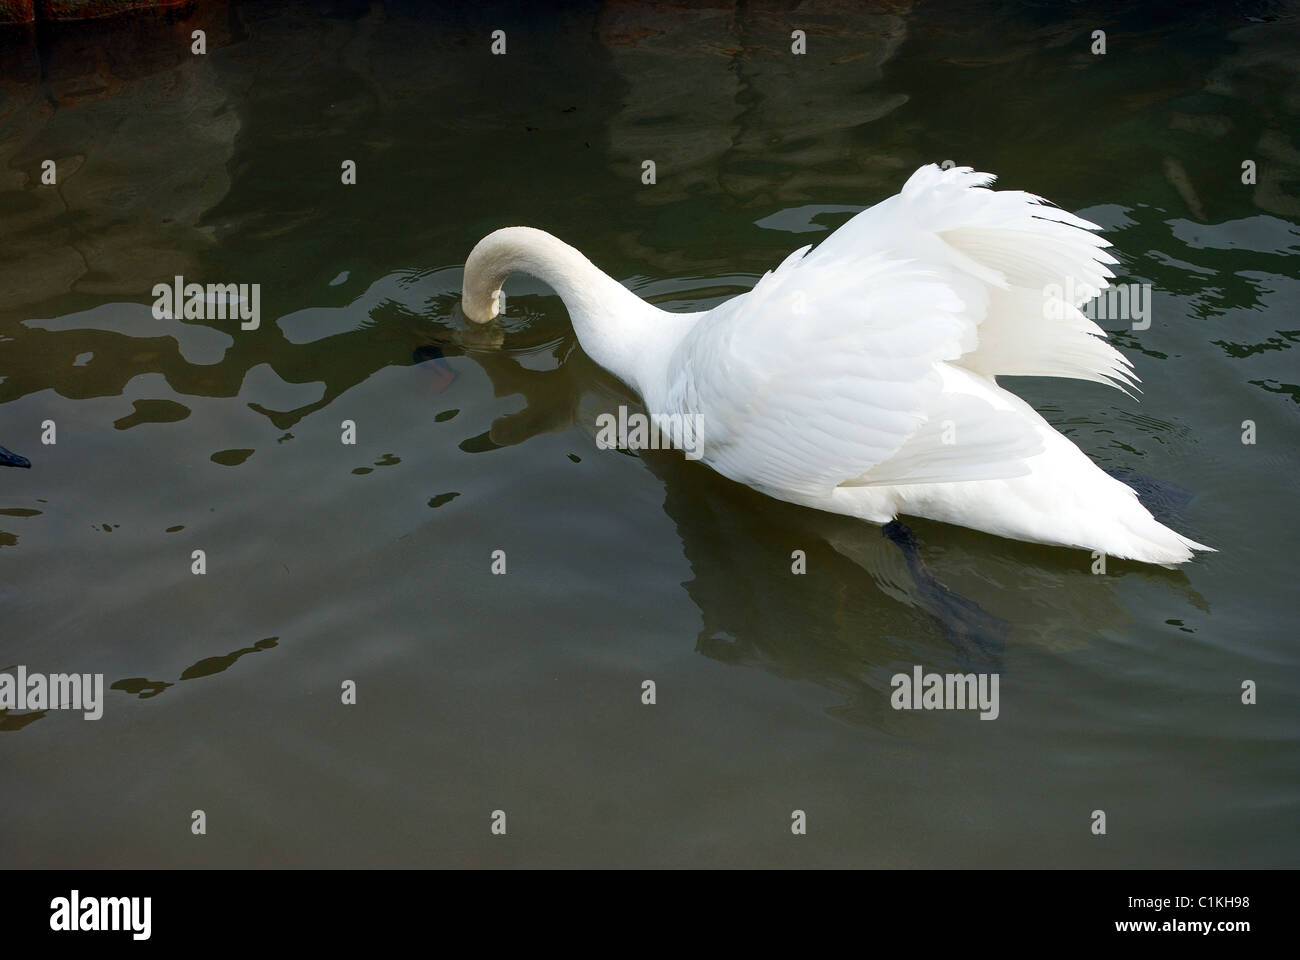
pixel 8 459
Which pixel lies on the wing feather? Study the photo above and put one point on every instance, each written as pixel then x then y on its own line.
pixel 831 370
pixel 820 374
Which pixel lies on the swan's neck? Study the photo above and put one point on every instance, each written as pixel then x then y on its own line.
pixel 617 329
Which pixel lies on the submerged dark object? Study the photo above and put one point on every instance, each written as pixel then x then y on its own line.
pixel 978 635
pixel 442 371
pixel 8 459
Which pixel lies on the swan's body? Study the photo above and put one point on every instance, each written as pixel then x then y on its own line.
pixel 859 378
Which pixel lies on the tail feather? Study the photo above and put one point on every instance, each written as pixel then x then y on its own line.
pixel 1040 264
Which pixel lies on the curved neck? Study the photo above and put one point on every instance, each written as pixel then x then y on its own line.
pixel 616 328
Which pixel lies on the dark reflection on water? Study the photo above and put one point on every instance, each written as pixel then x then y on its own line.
pixel 369 561
pixel 208 666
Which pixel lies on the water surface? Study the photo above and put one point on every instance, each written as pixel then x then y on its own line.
pixel 371 562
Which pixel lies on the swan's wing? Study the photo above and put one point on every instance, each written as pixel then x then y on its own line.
pixel 826 369
pixel 1022 267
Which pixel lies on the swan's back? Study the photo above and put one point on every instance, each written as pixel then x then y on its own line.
pixel 865 369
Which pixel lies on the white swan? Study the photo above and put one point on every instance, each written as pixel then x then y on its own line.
pixel 859 378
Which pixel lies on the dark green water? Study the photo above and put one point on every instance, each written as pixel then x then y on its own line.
pixel 329 563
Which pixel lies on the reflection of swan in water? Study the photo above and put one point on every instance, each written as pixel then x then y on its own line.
pixel 883 399
pixel 980 600
pixel 10 459
pixel 977 598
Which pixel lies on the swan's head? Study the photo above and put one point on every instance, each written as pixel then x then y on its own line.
pixel 483 306
pixel 493 259
pixel 613 324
